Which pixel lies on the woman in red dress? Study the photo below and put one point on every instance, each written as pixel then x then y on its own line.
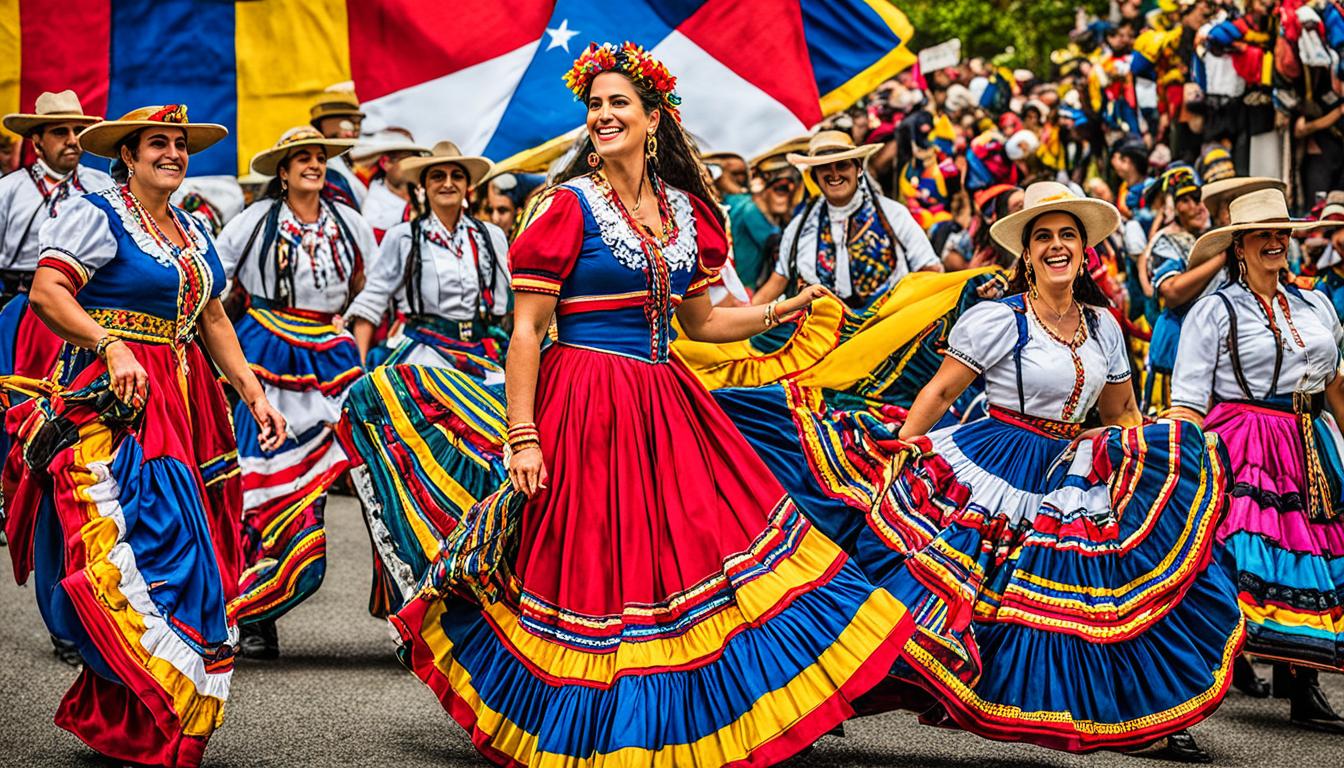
pixel 668 604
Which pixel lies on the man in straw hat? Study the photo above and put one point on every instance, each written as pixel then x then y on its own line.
pixel 389 201
pixel 35 194
pixel 335 113
pixel 851 239
pixel 757 215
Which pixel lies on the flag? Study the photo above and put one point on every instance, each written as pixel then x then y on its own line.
pixel 485 74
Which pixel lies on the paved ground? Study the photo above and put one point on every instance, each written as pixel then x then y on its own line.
pixel 339 697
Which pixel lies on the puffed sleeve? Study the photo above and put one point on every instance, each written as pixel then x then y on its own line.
pixel 383 276
pixel 544 253
pixel 984 335
pixel 918 250
pixel 1203 339
pixel 77 242
pixel 711 245
pixel 1113 344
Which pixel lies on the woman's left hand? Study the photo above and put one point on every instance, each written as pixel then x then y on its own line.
pixel 271 423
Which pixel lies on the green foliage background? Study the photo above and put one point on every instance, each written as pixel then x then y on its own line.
pixel 987 27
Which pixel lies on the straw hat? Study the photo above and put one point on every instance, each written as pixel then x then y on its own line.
pixel 1098 217
pixel 831 147
pixel 51 107
pixel 1217 193
pixel 102 138
pixel 1253 211
pixel 267 162
pixel 385 142
pixel 447 152
pixel 337 100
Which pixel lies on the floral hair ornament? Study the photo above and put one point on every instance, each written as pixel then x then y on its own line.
pixel 630 60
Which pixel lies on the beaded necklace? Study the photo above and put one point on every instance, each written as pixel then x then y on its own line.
pixel 148 223
pixel 1079 375
pixel 656 273
pixel 1268 310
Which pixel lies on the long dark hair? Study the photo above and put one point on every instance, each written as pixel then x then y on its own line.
pixel 1085 289
pixel 677 163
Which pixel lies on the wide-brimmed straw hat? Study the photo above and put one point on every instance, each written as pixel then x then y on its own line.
pixel 62 107
pixel 443 153
pixel 1218 193
pixel 268 161
pixel 385 142
pixel 102 138
pixel 336 101
pixel 1252 212
pixel 1098 217
pixel 831 147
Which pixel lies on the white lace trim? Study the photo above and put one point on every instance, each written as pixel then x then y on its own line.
pixel 625 243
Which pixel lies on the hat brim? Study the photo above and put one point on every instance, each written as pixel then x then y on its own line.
pixel 1221 192
pixel 351 112
pixel 1217 241
pixel 23 124
pixel 812 161
pixel 103 137
pixel 476 167
pixel 1098 217
pixel 268 161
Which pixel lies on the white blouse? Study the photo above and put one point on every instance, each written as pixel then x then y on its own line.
pixel 24 208
pixel 912 245
pixel 323 257
pixel 450 277
pixel 1054 385
pixel 1204 373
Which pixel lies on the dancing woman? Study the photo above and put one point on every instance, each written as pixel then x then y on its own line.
pixel 446 271
pixel 130 489
pixel 667 603
pixel 298 260
pixel 1257 366
pixel 1081 552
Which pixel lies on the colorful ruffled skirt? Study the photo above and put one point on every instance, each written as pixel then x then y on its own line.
pixel 1060 597
pixel 664 601
pixel 1288 563
pixel 441 343
pixel 130 527
pixel 306 367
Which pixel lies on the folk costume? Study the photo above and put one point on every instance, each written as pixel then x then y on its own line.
pixel 858 249
pixel 297 277
pixel 1258 369
pixel 128 518
pixel 661 621
pixel 343 184
pixel 1170 257
pixel 382 207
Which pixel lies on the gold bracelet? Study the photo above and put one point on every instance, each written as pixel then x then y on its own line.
pixel 100 349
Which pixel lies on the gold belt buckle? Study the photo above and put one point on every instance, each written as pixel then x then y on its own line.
pixel 465 330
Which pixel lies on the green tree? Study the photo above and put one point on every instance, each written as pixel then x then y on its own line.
pixel 1033 28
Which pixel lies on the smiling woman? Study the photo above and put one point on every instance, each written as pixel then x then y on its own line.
pixel 128 502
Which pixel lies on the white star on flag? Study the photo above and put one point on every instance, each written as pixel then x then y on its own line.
pixel 560 35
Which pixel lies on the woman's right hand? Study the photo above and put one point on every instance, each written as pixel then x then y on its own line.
pixel 129 381
pixel 527 471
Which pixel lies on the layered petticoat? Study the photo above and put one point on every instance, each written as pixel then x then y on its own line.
pixel 132 529
pixel 305 367
pixel 1288 565
pixel 1061 597
pixel 665 602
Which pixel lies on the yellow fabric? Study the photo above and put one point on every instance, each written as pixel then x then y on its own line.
pixel 304 44
pixel 11 59
pixel 918 300
pixel 737 364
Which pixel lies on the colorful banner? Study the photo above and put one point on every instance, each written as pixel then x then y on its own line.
pixel 485 74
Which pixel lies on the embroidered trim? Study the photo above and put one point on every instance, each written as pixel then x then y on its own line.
pixel 135 326
pixel 625 243
pixel 970 362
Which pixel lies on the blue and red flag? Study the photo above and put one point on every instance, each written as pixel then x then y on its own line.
pixel 486 74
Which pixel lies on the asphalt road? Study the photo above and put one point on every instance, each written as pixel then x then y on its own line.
pixel 338 697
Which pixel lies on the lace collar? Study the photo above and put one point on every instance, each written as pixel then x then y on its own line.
pixel 200 242
pixel 625 243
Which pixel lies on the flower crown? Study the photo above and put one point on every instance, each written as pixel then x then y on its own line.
pixel 630 60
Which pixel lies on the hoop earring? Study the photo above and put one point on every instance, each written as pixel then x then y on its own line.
pixel 651 146
pixel 284 187
pixel 594 160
